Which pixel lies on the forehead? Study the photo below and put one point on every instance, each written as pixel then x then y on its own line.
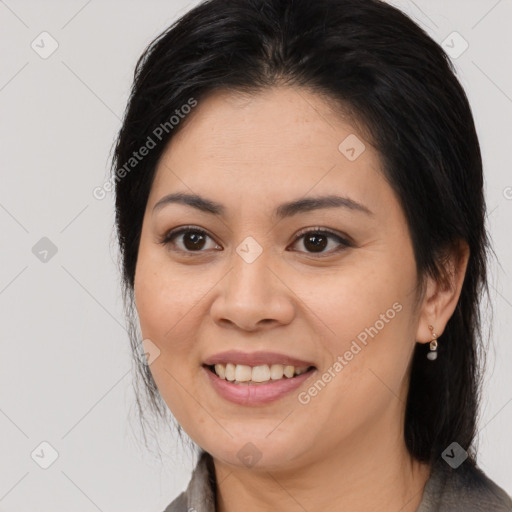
pixel 278 142
pixel 278 119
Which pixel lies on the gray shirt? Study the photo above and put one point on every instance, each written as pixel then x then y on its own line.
pixel 465 489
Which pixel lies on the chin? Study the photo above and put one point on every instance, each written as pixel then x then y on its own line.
pixel 257 453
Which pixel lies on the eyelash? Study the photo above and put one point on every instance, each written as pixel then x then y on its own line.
pixel 344 243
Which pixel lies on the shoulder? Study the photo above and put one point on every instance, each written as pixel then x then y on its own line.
pixel 178 505
pixel 200 493
pixel 465 488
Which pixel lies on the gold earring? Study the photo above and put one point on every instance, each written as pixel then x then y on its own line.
pixel 432 355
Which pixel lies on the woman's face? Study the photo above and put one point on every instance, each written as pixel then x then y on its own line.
pixel 258 288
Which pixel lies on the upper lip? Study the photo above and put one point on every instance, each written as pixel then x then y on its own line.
pixel 255 359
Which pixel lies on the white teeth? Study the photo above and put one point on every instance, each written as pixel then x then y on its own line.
pixel 261 373
pixel 276 371
pixel 220 370
pixel 243 373
pixel 289 371
pixel 230 372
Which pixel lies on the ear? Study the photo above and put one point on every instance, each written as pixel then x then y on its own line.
pixel 441 296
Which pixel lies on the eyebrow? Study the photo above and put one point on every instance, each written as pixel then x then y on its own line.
pixel 284 210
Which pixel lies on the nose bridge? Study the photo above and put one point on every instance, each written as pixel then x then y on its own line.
pixel 252 294
pixel 250 279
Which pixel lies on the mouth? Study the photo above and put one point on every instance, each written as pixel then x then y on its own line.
pixel 257 378
pixel 258 375
pixel 256 384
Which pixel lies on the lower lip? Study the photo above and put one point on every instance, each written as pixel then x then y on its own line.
pixel 246 394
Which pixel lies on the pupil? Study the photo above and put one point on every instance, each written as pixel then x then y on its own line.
pixel 196 239
pixel 317 246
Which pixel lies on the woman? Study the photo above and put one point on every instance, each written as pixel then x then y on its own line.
pixel 300 215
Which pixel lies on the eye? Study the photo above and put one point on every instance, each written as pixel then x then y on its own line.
pixel 317 239
pixel 192 239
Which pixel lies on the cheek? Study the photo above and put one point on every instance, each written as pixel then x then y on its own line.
pixel 163 296
pixel 365 316
pixel 165 305
pixel 170 302
pixel 165 302
pixel 352 301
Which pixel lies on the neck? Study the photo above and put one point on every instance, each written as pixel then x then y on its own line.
pixel 371 471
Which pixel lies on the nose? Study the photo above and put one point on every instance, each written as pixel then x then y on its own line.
pixel 253 297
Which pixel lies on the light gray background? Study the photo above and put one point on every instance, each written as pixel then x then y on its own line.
pixel 65 365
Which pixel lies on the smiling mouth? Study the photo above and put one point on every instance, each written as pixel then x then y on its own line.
pixel 242 374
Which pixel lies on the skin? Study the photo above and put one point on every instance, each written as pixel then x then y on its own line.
pixel 344 450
